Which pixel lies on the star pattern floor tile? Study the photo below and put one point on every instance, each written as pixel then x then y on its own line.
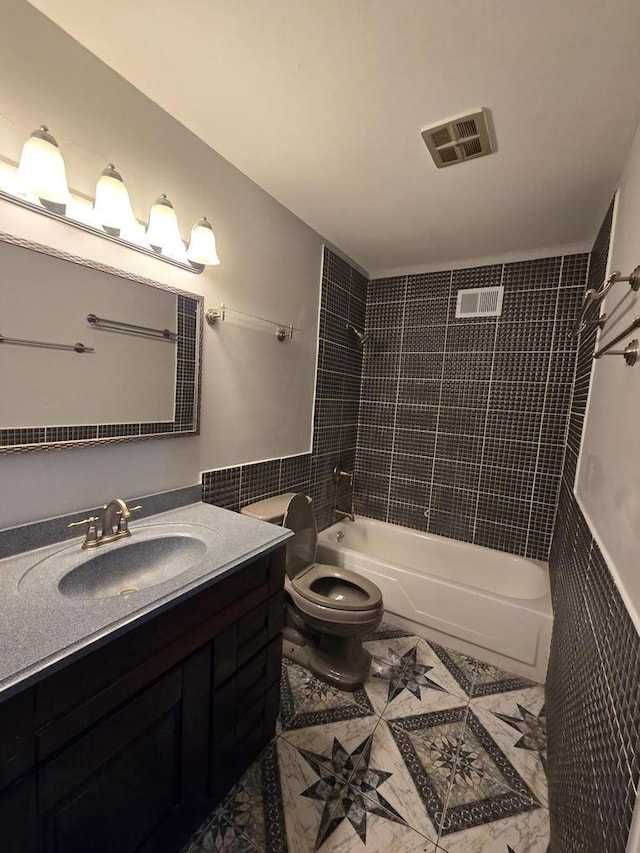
pixel 438 753
pixel 307 701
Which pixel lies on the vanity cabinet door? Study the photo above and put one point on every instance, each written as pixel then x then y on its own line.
pixel 18 817
pixel 137 780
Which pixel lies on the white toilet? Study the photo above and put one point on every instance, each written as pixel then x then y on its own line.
pixel 328 609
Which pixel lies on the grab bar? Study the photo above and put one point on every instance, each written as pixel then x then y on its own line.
pixel 46 344
pixel 120 326
pixel 596 295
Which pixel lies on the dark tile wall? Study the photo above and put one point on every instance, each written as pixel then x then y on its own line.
pixel 343 300
pixel 593 682
pixel 463 422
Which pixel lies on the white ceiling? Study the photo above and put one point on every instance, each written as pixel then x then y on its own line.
pixel 321 102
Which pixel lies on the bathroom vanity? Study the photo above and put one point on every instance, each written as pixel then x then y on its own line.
pixel 121 727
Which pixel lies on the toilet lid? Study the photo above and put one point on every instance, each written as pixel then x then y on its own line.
pixel 336 587
pixel 301 550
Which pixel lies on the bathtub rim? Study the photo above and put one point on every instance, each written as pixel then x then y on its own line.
pixel 542 604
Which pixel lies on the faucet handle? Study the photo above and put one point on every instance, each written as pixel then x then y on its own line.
pixel 91 536
pixel 123 521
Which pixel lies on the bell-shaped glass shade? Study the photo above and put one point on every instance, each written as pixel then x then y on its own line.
pixel 202 246
pixel 41 169
pixel 163 234
pixel 112 205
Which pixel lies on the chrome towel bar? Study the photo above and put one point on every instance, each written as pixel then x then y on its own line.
pixel 46 344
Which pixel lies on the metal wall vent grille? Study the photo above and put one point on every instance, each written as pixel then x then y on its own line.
pixel 480 302
pixel 462 138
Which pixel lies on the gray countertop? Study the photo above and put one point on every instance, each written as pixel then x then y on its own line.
pixel 42 630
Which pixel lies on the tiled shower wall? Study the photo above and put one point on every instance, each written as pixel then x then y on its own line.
pixel 463 422
pixel 593 682
pixel 343 299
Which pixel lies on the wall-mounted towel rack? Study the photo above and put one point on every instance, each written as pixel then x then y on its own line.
pixel 130 328
pixel 283 330
pixel 630 352
pixel 46 344
pixel 592 296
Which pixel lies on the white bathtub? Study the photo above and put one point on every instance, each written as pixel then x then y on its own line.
pixel 485 603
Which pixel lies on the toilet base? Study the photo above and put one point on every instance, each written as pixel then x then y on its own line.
pixel 341 662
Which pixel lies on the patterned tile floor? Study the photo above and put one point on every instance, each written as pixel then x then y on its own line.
pixel 438 752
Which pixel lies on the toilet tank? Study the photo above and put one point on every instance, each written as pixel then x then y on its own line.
pixel 270 509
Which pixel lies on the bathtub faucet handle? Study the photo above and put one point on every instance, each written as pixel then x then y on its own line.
pixel 339 474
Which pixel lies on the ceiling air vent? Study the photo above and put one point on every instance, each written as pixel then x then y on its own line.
pixel 462 138
pixel 480 302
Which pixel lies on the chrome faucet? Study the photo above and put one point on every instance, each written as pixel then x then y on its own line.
pixel 340 514
pixel 116 514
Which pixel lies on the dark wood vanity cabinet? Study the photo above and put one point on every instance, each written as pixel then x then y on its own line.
pixel 131 746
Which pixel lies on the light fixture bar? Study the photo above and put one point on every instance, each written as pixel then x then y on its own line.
pixel 99 232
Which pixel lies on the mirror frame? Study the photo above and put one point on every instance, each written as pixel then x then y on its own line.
pixel 31 439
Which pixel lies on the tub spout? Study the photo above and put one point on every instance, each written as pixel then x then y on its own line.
pixel 341 515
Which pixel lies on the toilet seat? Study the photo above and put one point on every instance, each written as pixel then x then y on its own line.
pixel 337 588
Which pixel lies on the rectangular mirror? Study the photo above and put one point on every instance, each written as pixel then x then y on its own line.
pixel 92 354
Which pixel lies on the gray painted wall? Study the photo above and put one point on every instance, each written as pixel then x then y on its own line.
pixel 257 400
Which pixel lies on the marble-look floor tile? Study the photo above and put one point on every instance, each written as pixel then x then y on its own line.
pixel 307 701
pixel 360 827
pixel 336 746
pixel 385 631
pixel 485 785
pixel 435 743
pixel 219 834
pixel 428 744
pixel 415 682
pixel 254 807
pixel 516 722
pixel 526 833
pixel 311 792
pixel 383 777
pixel 491 679
pixel 461 667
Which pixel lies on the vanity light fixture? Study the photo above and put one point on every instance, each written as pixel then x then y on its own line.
pixel 39 183
pixel 112 206
pixel 41 171
pixel 163 233
pixel 202 246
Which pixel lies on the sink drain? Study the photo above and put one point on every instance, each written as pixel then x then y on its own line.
pixel 128 590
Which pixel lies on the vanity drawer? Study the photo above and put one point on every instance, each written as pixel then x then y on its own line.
pixel 245 688
pixel 242 640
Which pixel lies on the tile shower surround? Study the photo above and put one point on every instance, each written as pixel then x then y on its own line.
pixel 466 420
pixel 593 682
pixel 343 300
